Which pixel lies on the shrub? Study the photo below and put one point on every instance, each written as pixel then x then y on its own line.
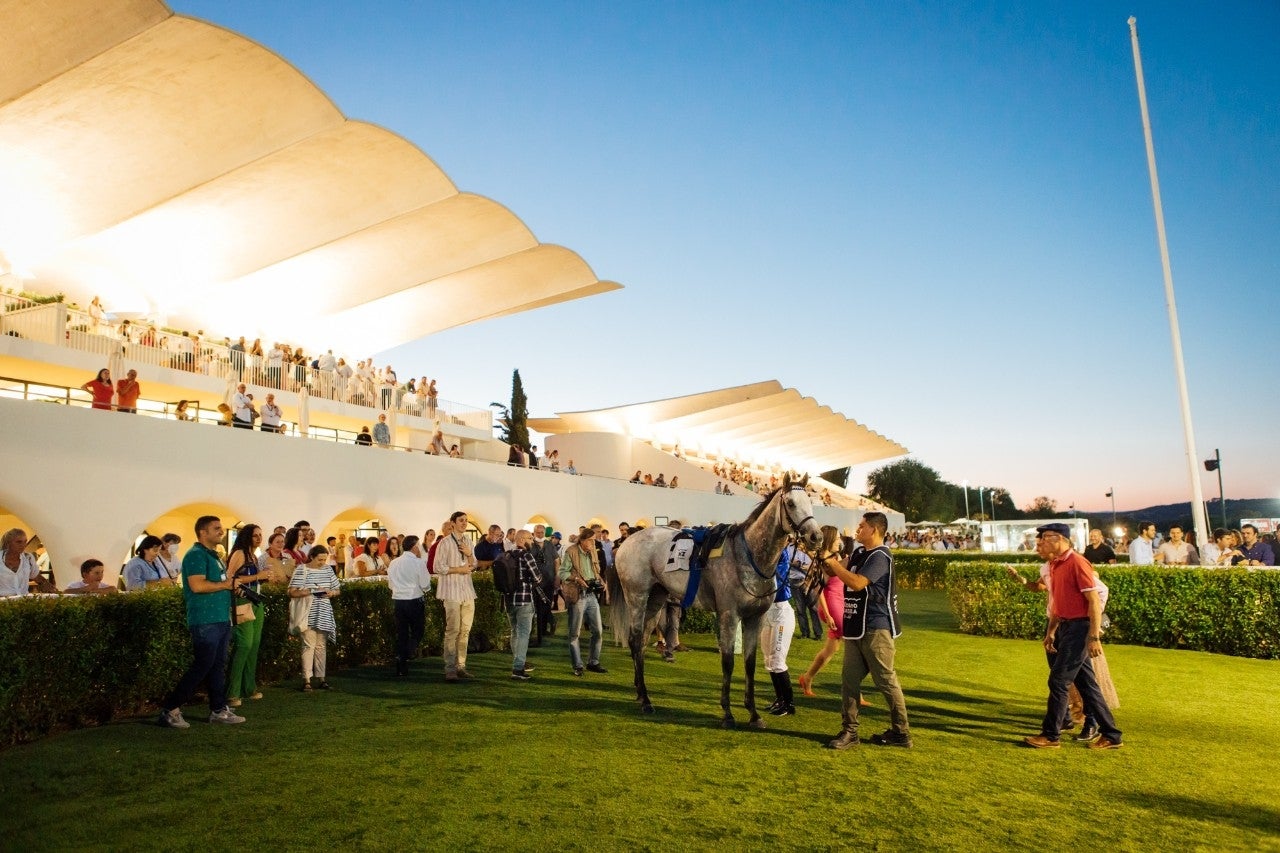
pixel 919 569
pixel 82 660
pixel 1234 612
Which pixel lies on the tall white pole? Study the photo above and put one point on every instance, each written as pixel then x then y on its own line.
pixel 1197 496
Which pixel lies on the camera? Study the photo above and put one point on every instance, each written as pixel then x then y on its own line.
pixel 248 593
pixel 595 587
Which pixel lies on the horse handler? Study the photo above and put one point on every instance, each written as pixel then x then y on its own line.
pixel 870 627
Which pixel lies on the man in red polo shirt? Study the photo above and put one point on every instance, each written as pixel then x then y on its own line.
pixel 1073 639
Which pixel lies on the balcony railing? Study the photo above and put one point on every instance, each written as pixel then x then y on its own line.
pixel 57 324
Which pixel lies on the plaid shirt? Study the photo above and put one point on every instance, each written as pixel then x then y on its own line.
pixel 529 576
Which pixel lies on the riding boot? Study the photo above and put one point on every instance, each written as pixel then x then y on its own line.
pixel 785 705
pixel 779 686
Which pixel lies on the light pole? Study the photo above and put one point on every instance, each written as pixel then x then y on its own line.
pixel 966 500
pixel 982 508
pixel 1215 464
pixel 1111 493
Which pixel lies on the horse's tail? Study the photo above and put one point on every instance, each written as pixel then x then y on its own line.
pixel 617 607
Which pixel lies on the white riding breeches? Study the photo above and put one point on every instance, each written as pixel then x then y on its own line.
pixel 776 630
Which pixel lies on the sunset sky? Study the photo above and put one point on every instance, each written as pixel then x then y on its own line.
pixel 932 217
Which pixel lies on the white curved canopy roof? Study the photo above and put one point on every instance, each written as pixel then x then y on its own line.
pixel 177 169
pixel 762 423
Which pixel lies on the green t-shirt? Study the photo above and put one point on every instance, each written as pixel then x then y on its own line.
pixel 205 608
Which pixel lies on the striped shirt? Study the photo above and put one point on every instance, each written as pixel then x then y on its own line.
pixel 321 618
pixel 453 552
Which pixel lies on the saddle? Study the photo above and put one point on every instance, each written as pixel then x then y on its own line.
pixel 691 550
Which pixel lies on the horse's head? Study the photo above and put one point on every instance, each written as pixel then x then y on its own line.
pixel 797 508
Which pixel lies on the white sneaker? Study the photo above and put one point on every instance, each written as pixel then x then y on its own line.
pixel 173 719
pixel 226 715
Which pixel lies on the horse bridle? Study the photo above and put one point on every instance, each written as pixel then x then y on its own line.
pixel 795 527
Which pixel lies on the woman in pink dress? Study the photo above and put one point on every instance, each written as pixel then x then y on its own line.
pixel 831 609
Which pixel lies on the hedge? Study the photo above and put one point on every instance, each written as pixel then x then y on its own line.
pixel 920 569
pixel 82 660
pixel 1232 611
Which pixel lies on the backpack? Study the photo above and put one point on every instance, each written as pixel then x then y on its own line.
pixel 506 572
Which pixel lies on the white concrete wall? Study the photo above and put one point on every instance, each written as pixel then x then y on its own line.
pixel 89 482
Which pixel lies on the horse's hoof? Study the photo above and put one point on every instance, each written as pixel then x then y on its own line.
pixel 646 708
pixel 757 723
pixel 728 723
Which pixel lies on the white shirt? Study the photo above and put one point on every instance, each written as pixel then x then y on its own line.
pixel 271 414
pixel 408 577
pixel 1209 554
pixel 327 361
pixel 240 405
pixel 15 583
pixel 275 357
pixel 1140 552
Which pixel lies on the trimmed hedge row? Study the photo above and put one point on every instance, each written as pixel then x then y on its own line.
pixel 1232 611
pixel 919 569
pixel 82 660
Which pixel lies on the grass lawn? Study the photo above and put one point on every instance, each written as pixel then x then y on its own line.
pixel 568 763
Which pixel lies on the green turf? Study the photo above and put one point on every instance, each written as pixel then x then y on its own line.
pixel 568 763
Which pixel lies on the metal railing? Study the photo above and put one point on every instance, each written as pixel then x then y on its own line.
pixel 58 324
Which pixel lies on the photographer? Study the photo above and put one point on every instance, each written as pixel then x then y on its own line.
pixel 246 635
pixel 528 589
pixel 208 594
pixel 579 571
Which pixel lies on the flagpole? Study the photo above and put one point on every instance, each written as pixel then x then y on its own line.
pixel 1197 500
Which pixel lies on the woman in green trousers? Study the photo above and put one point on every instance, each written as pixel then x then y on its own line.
pixel 246 637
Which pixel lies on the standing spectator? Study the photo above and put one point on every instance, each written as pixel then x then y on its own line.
pixel 1141 551
pixel 242 407
pixel 343 374
pixel 316 579
pixel 830 609
pixel 432 399
pixel 806 615
pixel 382 432
pixel 91 582
pixel 489 548
pixel 394 549
pixel 20 567
pixel 388 384
pixel 409 581
pixel 1098 551
pixel 237 351
pixel 246 636
pixel 1073 638
pixel 96 313
pixel 869 635
pixel 168 556
pixel 207 592
pixel 437 447
pixel 1253 551
pixel 522 598
pixel 127 392
pixel 544 554
pixel 1176 551
pixel 1220 551
pixel 364 438
pixel 101 389
pixel 369 563
pixel 146 569
pixel 271 415
pixel 275 563
pixel 275 361
pixel 326 365
pixel 580 568
pixel 454 563
pixel 181 412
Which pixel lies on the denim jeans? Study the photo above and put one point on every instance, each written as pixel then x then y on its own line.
pixel 807 619
pixel 209 643
pixel 1071 666
pixel 521 626
pixel 588 608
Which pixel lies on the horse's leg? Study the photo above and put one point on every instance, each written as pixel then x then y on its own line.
pixel 728 627
pixel 637 640
pixel 750 642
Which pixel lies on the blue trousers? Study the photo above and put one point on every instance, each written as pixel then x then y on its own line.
pixel 1071 666
pixel 210 644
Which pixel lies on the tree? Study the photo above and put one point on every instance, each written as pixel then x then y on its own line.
pixel 1042 507
pixel 515 418
pixel 913 488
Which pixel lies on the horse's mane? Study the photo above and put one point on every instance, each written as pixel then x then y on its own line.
pixel 755 513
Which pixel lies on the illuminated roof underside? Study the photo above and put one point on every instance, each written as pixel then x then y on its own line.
pixel 177 169
pixel 763 424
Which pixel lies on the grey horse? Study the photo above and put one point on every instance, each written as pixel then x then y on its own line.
pixel 738 584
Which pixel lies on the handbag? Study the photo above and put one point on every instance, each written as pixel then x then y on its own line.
pixel 299 614
pixel 571 590
pixel 242 613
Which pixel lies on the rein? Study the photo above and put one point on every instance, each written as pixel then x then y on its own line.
pixel 751 560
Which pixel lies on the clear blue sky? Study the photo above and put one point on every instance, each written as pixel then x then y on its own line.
pixel 932 217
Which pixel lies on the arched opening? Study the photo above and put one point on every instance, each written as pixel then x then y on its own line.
pixel 34 547
pixel 181 522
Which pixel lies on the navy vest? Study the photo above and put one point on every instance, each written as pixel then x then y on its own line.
pixel 881 594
